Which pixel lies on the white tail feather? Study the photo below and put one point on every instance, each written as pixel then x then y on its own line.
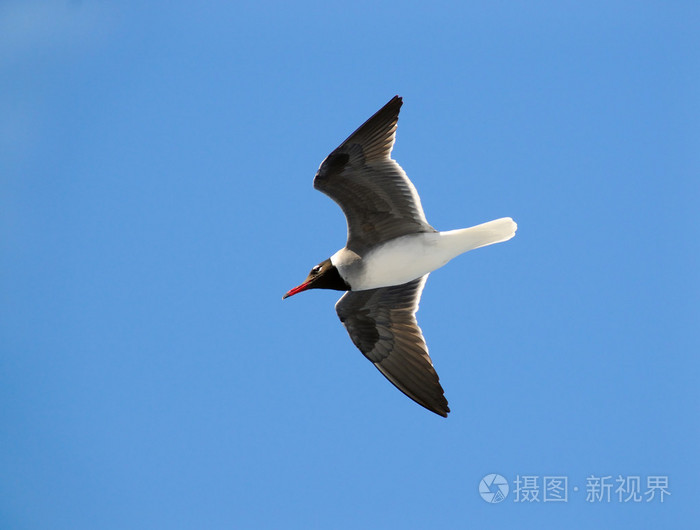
pixel 484 234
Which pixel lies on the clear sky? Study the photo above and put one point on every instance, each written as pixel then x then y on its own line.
pixel 156 201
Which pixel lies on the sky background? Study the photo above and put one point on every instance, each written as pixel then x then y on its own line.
pixel 156 201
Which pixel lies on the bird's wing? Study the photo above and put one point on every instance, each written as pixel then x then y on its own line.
pixel 378 200
pixel 382 324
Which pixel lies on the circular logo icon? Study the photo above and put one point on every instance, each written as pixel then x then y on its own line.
pixel 493 488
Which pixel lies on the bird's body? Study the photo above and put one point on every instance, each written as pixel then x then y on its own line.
pixel 389 253
pixel 409 257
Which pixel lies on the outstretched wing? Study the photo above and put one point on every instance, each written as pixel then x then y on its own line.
pixel 378 200
pixel 382 324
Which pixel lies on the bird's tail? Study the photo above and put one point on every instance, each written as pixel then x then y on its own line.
pixel 484 234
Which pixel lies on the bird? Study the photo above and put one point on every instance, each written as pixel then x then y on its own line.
pixel 390 251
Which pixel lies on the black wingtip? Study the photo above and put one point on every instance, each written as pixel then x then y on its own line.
pixel 388 111
pixel 437 409
pixel 376 135
pixel 396 100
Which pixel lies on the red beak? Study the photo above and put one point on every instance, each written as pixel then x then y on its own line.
pixel 303 287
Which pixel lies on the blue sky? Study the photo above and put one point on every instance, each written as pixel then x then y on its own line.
pixel 156 202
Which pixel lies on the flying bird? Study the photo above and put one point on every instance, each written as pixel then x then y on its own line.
pixel 389 253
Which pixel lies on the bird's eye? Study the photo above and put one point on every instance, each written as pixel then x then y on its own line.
pixel 316 269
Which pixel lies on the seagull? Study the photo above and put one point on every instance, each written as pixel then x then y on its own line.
pixel 390 251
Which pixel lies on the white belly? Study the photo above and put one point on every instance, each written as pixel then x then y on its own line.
pixel 402 260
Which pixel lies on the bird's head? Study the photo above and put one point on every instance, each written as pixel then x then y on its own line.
pixel 325 275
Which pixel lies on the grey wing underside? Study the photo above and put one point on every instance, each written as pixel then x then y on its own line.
pixel 379 201
pixel 382 324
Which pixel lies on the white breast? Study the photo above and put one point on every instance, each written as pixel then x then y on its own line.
pixel 402 260
pixel 393 263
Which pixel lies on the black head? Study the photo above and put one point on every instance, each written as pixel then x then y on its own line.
pixel 325 275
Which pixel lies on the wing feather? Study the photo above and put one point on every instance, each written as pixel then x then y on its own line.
pixel 379 201
pixel 382 324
